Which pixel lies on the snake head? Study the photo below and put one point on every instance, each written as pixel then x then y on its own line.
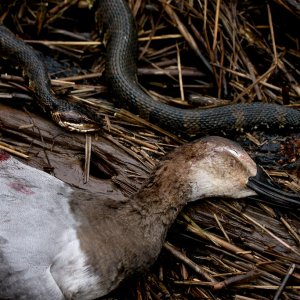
pixel 75 121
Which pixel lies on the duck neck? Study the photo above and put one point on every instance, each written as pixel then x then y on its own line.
pixel 158 203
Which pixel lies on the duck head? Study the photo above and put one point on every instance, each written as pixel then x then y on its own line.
pixel 218 167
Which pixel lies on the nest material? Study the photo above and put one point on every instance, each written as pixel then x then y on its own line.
pixel 238 51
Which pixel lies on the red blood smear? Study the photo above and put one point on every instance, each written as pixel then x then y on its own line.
pixel 20 187
pixel 4 156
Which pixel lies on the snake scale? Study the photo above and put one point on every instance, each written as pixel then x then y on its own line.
pixel 121 75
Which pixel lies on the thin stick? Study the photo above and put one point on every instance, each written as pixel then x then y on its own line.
pixel 88 153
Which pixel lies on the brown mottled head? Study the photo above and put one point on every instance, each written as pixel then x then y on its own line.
pixel 217 167
pixel 213 166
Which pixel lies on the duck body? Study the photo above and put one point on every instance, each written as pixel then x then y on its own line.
pixel 121 75
pixel 45 250
pixel 36 225
pixel 60 242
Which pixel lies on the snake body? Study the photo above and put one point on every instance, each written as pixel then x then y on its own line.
pixel 122 82
pixel 65 114
pixel 121 78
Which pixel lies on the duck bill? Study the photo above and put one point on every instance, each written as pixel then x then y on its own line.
pixel 271 193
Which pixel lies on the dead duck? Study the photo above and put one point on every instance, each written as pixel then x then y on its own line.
pixel 58 242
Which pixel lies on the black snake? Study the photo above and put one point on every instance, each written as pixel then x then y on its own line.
pixel 123 85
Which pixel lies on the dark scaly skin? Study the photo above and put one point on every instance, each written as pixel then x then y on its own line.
pixel 69 116
pixel 121 78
